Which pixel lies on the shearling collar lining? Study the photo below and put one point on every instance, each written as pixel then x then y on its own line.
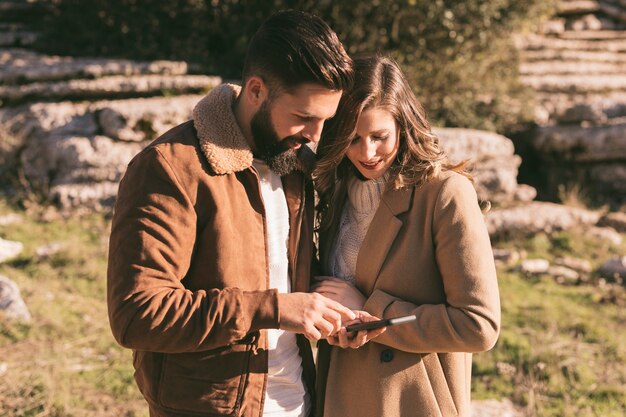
pixel 220 137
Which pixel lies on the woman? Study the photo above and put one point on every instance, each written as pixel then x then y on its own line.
pixel 401 233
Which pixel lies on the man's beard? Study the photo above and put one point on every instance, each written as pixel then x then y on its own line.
pixel 277 154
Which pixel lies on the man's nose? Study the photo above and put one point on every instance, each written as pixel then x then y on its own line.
pixel 313 131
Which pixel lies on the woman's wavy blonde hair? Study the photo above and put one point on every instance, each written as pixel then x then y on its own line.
pixel 379 83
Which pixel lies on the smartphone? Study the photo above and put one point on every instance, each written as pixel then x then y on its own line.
pixel 371 325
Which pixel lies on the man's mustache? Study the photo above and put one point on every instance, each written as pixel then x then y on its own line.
pixel 289 141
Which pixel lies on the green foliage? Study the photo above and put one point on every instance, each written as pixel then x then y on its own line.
pixel 457 55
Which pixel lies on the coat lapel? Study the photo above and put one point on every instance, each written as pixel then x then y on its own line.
pixel 380 236
pixel 327 238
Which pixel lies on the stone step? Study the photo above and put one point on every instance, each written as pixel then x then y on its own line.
pixel 9 26
pixel 579 84
pixel 582 144
pixel 17 38
pixel 594 109
pixel 592 35
pixel 538 42
pixel 18 66
pixel 571 55
pixel 613 9
pixel 572 67
pixel 18 11
pixel 108 87
pixel 577 7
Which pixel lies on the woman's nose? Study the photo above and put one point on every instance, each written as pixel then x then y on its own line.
pixel 368 149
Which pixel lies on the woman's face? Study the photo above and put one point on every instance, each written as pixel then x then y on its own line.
pixel 375 144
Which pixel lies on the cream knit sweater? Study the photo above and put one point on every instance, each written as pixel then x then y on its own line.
pixel 358 212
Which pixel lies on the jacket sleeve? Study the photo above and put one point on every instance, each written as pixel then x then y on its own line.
pixel 469 320
pixel 151 247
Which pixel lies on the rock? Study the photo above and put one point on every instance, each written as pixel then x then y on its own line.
pixel 109 86
pixel 614 269
pixel 506 256
pixel 581 113
pixel 565 66
pixel 506 369
pixel 586 22
pixel 574 83
pixel 580 265
pixel 563 274
pixel 536 217
pixel 18 38
pixel 63 155
pixel 9 249
pixel 495 408
pixel 616 220
pixel 534 266
pixel 613 43
pixel 589 109
pixel 10 219
pixel 524 193
pixel 577 7
pixel 607 234
pixel 578 144
pixel 609 179
pixel 493 162
pixel 23 66
pixel 552 27
pixel 56 161
pixel 85 196
pixel 613 10
pixel 4 367
pixel 12 305
pixel 45 251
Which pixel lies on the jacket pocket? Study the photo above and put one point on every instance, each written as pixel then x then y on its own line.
pixel 210 382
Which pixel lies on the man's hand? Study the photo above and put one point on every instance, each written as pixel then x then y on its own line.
pixel 354 340
pixel 311 314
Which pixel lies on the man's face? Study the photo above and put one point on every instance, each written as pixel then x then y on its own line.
pixel 290 120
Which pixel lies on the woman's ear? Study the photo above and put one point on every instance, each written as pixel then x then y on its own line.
pixel 255 91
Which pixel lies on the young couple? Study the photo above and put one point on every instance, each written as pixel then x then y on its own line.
pixel 213 277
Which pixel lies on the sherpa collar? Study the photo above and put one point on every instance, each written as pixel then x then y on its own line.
pixel 220 137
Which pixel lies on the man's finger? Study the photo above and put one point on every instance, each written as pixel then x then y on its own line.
pixel 345 312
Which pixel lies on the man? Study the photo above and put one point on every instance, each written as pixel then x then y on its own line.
pixel 211 241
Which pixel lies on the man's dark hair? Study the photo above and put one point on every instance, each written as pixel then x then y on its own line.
pixel 293 47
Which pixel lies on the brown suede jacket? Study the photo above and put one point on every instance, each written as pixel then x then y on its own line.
pixel 188 271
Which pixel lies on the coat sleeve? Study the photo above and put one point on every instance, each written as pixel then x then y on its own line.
pixel 151 247
pixel 469 320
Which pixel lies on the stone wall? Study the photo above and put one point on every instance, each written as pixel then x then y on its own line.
pixel 71 125
pixel 577 68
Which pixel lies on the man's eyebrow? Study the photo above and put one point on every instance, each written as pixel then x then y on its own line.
pixel 308 115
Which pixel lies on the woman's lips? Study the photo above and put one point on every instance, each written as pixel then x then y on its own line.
pixel 371 165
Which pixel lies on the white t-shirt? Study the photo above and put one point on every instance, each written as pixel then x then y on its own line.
pixel 286 395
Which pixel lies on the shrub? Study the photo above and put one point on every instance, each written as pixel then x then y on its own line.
pixel 458 55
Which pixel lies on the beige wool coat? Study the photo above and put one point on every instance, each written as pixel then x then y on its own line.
pixel 427 253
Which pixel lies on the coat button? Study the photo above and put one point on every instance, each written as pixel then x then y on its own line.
pixel 386 355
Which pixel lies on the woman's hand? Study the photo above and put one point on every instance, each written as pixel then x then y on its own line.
pixel 341 291
pixel 354 340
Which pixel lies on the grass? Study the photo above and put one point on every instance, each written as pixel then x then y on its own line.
pixel 562 350
pixel 64 363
